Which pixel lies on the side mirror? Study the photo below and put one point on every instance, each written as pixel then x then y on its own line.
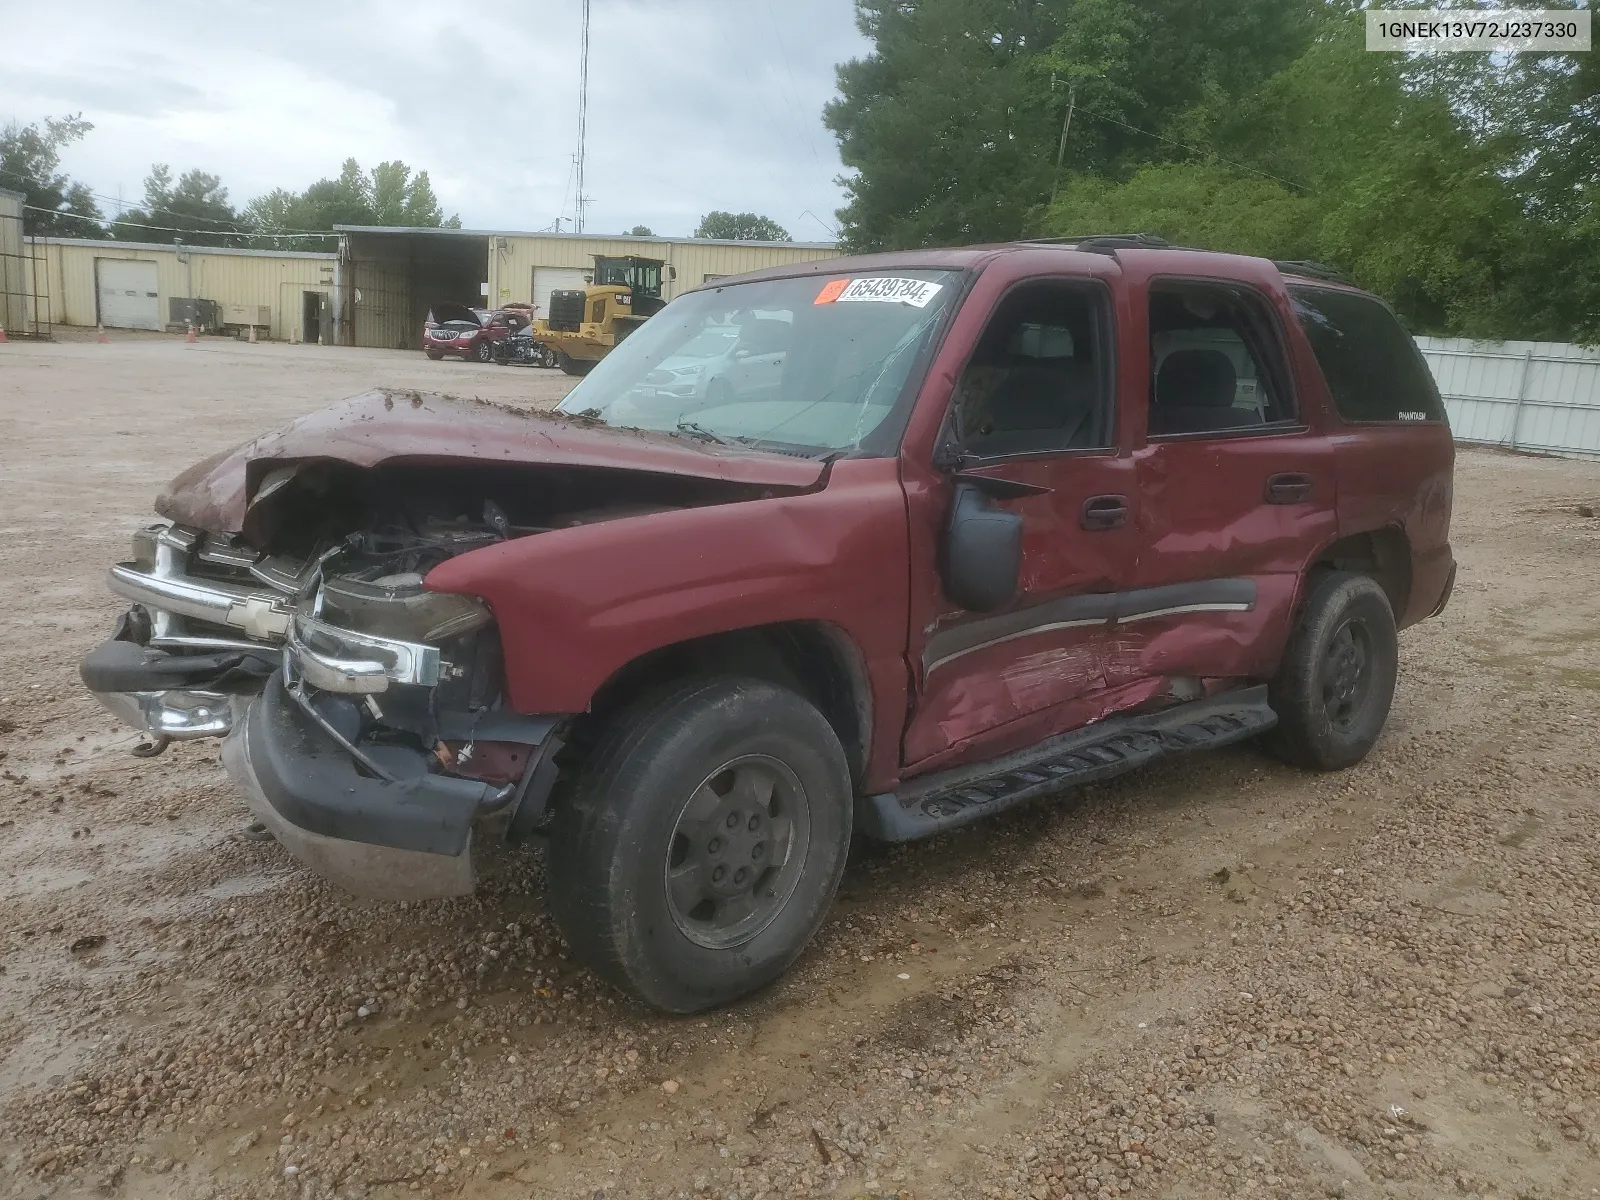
pixel 983 552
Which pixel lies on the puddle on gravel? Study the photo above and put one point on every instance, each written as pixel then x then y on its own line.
pixel 246 885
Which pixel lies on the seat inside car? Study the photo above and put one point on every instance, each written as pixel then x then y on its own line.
pixel 1194 392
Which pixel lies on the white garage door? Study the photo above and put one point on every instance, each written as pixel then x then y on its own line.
pixel 551 279
pixel 128 298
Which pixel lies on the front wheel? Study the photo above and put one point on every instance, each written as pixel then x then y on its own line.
pixel 1334 689
pixel 573 366
pixel 434 354
pixel 702 844
pixel 482 352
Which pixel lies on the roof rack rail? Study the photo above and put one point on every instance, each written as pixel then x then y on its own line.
pixel 1108 243
pixel 1309 269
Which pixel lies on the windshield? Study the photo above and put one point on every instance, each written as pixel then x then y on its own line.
pixel 813 364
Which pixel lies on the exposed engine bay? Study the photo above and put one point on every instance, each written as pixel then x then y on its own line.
pixel 355 701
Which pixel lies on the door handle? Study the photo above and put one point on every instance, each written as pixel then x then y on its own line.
pixel 1291 487
pixel 1104 512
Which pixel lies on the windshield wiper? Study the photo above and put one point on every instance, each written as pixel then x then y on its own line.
pixel 700 431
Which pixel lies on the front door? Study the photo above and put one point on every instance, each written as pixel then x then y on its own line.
pixel 1034 407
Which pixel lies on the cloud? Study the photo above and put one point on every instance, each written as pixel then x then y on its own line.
pixel 693 104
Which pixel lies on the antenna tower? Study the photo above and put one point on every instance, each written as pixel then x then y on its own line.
pixel 583 115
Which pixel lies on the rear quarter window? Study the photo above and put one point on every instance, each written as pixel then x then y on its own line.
pixel 1373 368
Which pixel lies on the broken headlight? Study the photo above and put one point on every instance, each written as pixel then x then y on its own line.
pixel 397 606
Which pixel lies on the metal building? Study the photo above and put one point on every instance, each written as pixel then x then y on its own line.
pixel 130 285
pixel 393 276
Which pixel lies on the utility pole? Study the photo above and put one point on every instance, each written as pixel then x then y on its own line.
pixel 1061 153
pixel 583 115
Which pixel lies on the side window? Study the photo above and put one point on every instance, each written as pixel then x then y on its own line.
pixel 1373 368
pixel 1040 378
pixel 1216 365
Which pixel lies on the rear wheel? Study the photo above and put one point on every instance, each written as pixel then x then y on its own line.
pixel 1334 689
pixel 702 844
pixel 573 366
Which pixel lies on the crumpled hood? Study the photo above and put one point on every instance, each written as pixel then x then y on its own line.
pixel 394 426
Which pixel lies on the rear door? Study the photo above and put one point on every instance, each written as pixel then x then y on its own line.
pixel 127 293
pixel 1034 408
pixel 1237 490
pixel 1395 455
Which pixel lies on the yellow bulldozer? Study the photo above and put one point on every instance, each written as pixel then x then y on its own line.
pixel 583 327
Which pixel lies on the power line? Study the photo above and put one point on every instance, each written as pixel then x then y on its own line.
pixel 227 226
pixel 244 233
pixel 1197 150
pixel 791 95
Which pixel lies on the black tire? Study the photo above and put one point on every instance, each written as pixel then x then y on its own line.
pixel 718 393
pixel 482 352
pixel 434 354
pixel 624 833
pixel 573 366
pixel 1336 683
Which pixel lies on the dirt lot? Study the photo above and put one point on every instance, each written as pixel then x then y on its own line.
pixel 1219 977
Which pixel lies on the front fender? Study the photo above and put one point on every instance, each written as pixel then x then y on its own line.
pixel 576 605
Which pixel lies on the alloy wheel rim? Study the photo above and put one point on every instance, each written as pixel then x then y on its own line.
pixel 737 851
pixel 1347 673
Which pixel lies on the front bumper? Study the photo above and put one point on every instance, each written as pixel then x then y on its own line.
pixel 405 838
pixel 355 750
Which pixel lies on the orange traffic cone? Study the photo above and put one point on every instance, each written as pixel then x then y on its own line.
pixel 191 338
pixel 100 334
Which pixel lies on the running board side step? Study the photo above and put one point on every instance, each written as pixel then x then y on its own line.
pixel 950 799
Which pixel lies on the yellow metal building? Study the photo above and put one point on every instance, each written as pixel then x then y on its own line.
pixel 379 288
pixel 394 276
pixel 130 285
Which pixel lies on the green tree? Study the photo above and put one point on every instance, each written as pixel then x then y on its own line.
pixel 1192 204
pixel 30 160
pixel 950 127
pixel 389 194
pixel 641 231
pixel 193 209
pixel 740 227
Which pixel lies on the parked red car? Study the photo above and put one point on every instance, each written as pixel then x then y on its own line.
pixel 963 528
pixel 461 332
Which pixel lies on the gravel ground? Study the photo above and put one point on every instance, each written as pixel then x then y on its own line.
pixel 1218 977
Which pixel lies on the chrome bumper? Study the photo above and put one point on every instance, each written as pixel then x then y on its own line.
pixel 259 620
pixel 178 715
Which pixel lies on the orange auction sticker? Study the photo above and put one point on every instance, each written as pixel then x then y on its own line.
pixel 831 291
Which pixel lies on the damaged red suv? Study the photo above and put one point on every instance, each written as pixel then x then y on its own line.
pixel 955 530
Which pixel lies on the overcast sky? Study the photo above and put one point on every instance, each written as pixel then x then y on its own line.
pixel 693 104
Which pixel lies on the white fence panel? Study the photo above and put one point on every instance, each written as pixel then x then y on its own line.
pixel 1539 396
